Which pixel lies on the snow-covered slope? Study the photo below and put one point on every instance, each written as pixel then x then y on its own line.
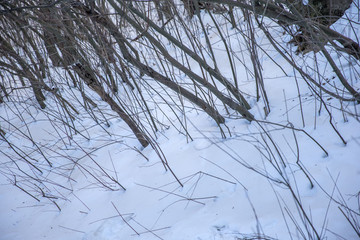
pixel 263 179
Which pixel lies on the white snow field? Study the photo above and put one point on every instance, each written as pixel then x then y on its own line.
pixel 288 175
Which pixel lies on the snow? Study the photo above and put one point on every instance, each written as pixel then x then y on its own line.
pixel 230 188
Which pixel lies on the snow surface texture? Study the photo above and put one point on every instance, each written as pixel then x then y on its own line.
pixel 230 188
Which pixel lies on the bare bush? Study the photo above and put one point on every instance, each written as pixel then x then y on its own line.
pixel 143 62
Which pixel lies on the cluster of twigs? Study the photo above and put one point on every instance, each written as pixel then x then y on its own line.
pixel 100 60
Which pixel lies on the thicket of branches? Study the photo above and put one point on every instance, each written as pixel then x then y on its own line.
pixel 80 59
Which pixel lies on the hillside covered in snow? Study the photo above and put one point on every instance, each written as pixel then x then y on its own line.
pixel 179 120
